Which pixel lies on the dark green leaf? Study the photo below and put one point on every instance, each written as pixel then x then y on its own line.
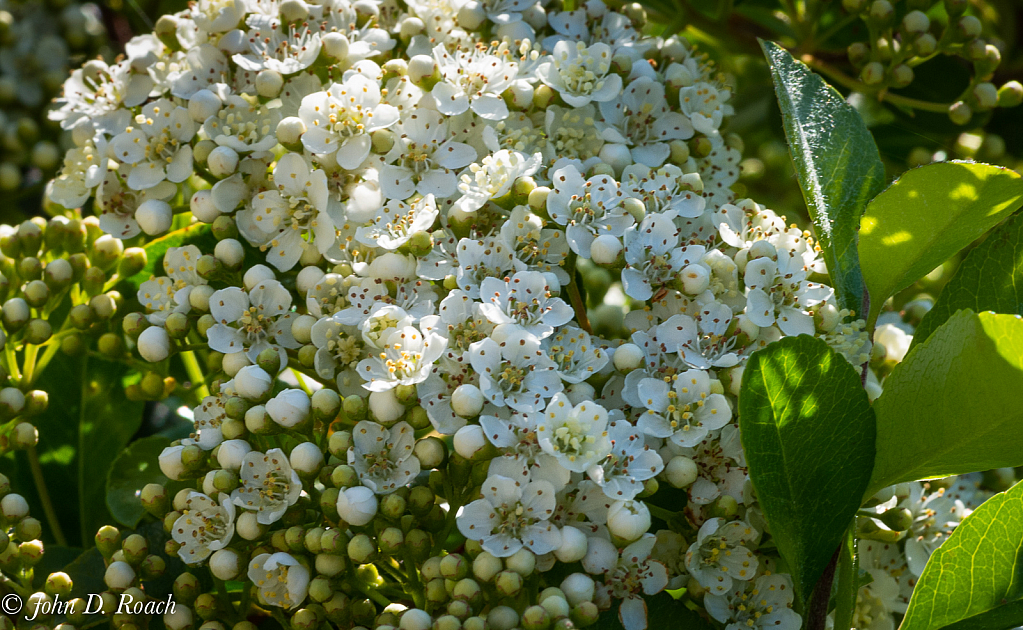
pixel 808 434
pixel 86 574
pixel 663 611
pixel 134 467
pixel 976 571
pixel 837 163
pixel 989 279
pixel 1001 618
pixel 927 215
pixel 952 405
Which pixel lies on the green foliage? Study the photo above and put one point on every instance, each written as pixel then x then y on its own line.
pixel 975 572
pixel 663 611
pixel 88 421
pixel 952 406
pixel 927 215
pixel 837 163
pixel 134 467
pixel 989 279
pixel 808 434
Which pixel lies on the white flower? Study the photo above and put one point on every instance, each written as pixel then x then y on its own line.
pixel 493 178
pixel 935 516
pixel 632 576
pixel 631 462
pixel 515 371
pixel 666 190
pixel 653 258
pixel 119 204
pixel 209 416
pixel 641 120
pixel 269 485
pixel 535 247
pixel 203 527
pixel 581 74
pixel 765 606
pixel 576 355
pixel 169 294
pixel 84 168
pixel 510 516
pixel 157 146
pixel 396 222
pixel 895 341
pixel 282 220
pixel 243 125
pixel 587 207
pixel 383 457
pixel 685 412
pixel 424 158
pixel 718 558
pixel 281 580
pixel 481 259
pixel 777 291
pixel 576 436
pixel 217 16
pixel 473 78
pixel 253 321
pixel 274 47
pixel 524 300
pixel 705 105
pixel 339 120
pixel 406 359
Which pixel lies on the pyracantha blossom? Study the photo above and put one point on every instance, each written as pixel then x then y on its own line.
pixel 587 207
pixel 475 79
pixel 634 575
pixel 718 558
pixel 575 435
pixel 631 462
pixel 396 222
pixel 514 371
pixel 524 300
pixel 492 178
pixel 340 120
pixel 510 516
pixel 278 47
pixel 642 121
pixel 156 147
pixel 168 294
pixel 581 74
pixel 684 410
pixel 204 526
pixel 766 605
pixel 424 158
pixel 280 579
pixel 383 457
pixel 268 485
pixel 252 322
pixel 209 418
pixel 405 360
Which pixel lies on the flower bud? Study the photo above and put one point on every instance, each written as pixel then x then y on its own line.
pixel 222 161
pixel 628 357
pixel 470 441
pixel 508 583
pixel 606 250
pixel 15 314
pixel 269 83
pixel 154 499
pixel 252 382
pixel 431 452
pixel 230 454
pixel 357 506
pixel 573 545
pixel 119 576
pixel 154 344
pixel 154 216
pixel 502 618
pixel 1010 94
pixel 230 253
pixel 288 408
pixel 385 406
pixel 13 507
pixel 361 549
pixel 522 562
pixel 256 274
pixel 249 528
pixel 290 129
pixel 203 104
pixel 467 401
pixel 985 95
pixel 306 459
pixel 335 46
pixel 471 15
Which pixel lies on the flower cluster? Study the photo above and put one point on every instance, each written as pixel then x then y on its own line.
pixel 406 416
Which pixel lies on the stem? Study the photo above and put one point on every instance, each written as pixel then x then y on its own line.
pixel 203 173
pixel 370 593
pixel 817 608
pixel 660 512
pixel 577 301
pixel 44 496
pixel 31 351
pixel 301 382
pixel 12 361
pixel 858 86
pixel 195 373
pixel 847 591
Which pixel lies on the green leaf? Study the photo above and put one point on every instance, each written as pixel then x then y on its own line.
pixel 976 571
pixel 989 279
pixel 808 434
pixel 837 163
pixel 662 611
pixel 87 421
pixel 133 468
pixel 927 215
pixel 952 405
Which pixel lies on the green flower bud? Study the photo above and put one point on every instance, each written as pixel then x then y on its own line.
pixel 307 356
pixel 447 622
pixel 536 618
pixel 393 505
pixel 106 251
pixel 420 501
pixel 454 567
pixel 344 476
pixel 133 261
pixel 968 27
pixel 28 528
pixel 872 73
pixel 135 549
pixel 108 540
pixel 93 280
pixel 902 75
pixel 25 436
pixel 985 96
pixel 36 293
pixel 417 418
pixel 30 268
pixel 15 314
pixel 328 500
pixel 320 589
pixel 177 325
pixel 1010 94
pixel 436 591
pixel 312 539
pixel 391 541
pixel 111 345
pixel 881 14
pixel 361 549
pixel 700 146
pixel 38 331
pixel 204 324
pixel 960 113
pixel 508 583
pixel 585 614
pixel 406 395
pixel 205 606
pixel 225 481
pixel 355 407
pixel 333 541
pixel 154 499
pixel 897 519
pixel 58 584
pixel 208 267
pixel 270 360
pixel 224 227
pixel 325 405
pixel 956 7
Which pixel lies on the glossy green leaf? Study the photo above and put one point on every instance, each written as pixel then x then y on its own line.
pixel 808 434
pixel 927 215
pixel 87 422
pixel 952 405
pixel 989 279
pixel 837 163
pixel 134 467
pixel 977 571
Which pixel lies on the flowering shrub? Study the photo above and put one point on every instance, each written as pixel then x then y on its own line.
pixel 473 332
